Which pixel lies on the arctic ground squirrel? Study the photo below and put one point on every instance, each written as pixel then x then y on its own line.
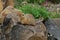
pixel 27 19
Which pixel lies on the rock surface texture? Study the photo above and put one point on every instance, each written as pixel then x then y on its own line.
pixel 53 27
pixel 26 32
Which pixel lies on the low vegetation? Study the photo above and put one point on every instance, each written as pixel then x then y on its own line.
pixel 36 10
pixel 33 7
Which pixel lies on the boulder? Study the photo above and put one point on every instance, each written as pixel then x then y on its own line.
pixel 27 32
pixel 53 27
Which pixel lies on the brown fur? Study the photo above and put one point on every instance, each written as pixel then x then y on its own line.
pixel 28 19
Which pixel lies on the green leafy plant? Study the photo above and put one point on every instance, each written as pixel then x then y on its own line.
pixel 36 10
